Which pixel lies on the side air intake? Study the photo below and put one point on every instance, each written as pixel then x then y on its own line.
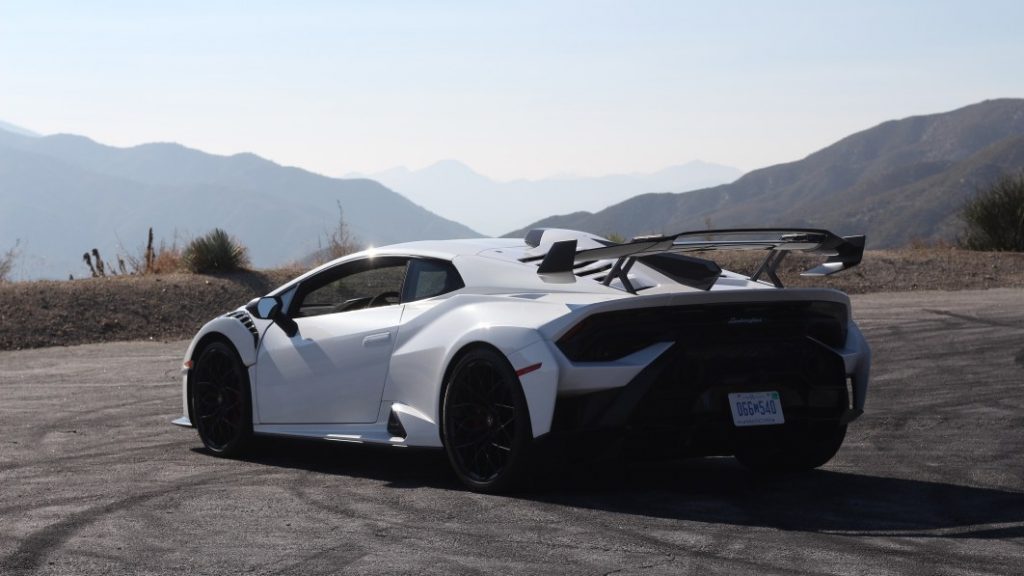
pixel 246 321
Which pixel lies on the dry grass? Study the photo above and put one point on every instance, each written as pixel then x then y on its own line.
pixel 167 260
pixel 7 260
pixel 164 259
pixel 336 243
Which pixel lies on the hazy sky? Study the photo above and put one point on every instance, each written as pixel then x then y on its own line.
pixel 515 89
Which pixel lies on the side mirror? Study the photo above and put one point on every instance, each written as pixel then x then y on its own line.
pixel 269 308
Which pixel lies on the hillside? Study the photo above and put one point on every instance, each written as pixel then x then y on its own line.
pixel 456 191
pixel 62 195
pixel 901 181
pixel 167 307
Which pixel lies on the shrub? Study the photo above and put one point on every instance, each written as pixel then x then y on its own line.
pixel 215 251
pixel 340 241
pixel 7 262
pixel 336 243
pixel 995 217
pixel 162 260
pixel 166 260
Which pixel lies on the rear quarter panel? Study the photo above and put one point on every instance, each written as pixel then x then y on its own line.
pixel 434 331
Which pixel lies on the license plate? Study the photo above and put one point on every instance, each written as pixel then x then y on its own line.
pixel 756 408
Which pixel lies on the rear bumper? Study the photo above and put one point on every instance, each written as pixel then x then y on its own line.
pixel 677 406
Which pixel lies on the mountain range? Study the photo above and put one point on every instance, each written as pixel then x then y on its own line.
pixel 62 195
pixel 898 182
pixel 454 190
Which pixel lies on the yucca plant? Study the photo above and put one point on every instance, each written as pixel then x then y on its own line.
pixel 215 251
pixel 995 217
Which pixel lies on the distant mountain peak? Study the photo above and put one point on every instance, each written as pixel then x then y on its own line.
pixel 455 190
pixel 450 168
pixel 8 127
pixel 450 163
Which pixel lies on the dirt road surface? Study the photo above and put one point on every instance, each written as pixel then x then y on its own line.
pixel 94 479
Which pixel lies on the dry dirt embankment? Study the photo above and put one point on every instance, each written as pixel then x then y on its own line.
pixel 170 307
pixel 165 307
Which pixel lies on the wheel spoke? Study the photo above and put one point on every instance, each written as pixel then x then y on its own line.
pixel 469 443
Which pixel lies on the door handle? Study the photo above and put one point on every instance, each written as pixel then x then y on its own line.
pixel 377 338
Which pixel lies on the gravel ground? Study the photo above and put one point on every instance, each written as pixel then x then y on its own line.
pixel 931 480
pixel 171 307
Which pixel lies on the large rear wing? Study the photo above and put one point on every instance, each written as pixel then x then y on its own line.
pixel 843 252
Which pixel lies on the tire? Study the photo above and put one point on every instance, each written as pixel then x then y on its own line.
pixel 486 423
pixel 221 402
pixel 789 450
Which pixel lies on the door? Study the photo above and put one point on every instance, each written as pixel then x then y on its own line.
pixel 332 371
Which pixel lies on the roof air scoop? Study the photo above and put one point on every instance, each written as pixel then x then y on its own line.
pixel 533 237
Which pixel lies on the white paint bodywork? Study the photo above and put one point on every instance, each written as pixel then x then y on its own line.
pixel 343 374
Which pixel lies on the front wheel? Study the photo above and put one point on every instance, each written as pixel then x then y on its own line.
pixel 486 423
pixel 221 404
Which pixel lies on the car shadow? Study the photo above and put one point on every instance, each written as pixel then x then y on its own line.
pixel 709 490
pixel 396 467
pixel 720 491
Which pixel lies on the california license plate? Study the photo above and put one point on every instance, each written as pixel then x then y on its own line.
pixel 756 408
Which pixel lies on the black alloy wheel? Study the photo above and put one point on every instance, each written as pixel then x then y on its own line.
pixel 221 406
pixel 487 432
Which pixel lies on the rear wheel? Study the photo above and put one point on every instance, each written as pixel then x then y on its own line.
pixel 790 449
pixel 486 424
pixel 221 405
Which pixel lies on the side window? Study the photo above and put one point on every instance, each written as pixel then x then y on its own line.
pixel 429 278
pixel 352 286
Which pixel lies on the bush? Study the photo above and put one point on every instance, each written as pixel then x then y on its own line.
pixel 995 217
pixel 7 262
pixel 340 241
pixel 214 252
pixel 157 260
pixel 166 259
pixel 336 243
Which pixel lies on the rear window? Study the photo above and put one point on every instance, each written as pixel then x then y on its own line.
pixel 429 278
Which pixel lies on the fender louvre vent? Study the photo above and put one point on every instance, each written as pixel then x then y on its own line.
pixel 246 320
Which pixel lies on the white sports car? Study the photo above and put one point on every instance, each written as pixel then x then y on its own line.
pixel 491 348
